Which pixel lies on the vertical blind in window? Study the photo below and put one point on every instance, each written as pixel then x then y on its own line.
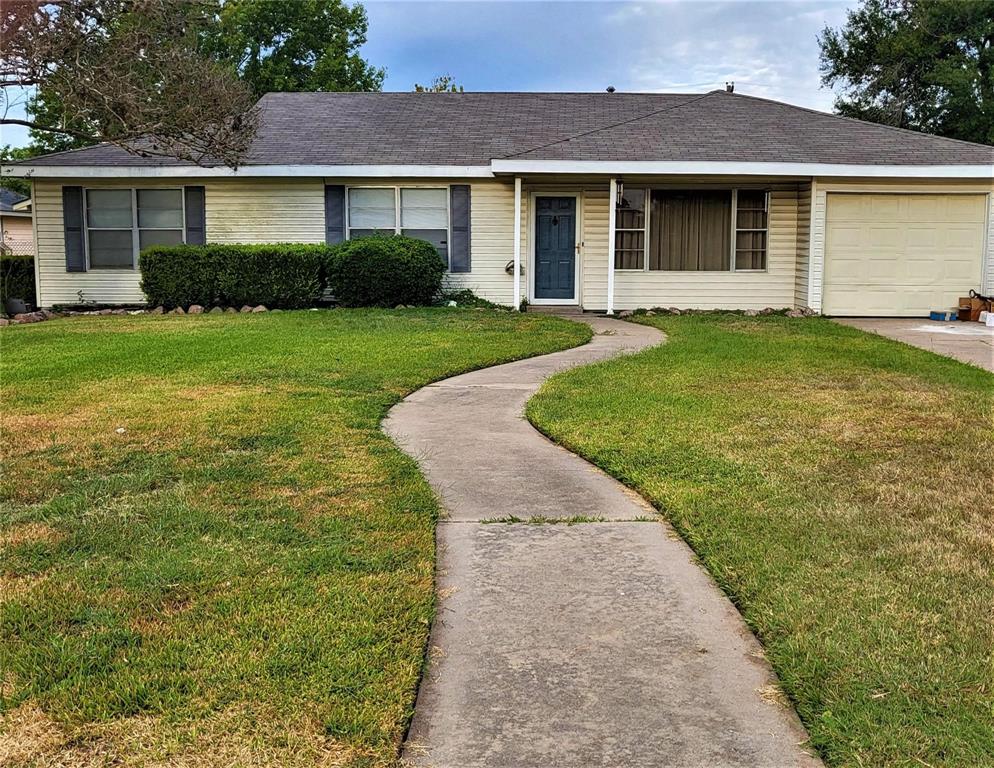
pixel 690 230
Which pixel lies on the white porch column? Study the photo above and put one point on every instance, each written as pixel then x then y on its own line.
pixel 612 206
pixel 516 303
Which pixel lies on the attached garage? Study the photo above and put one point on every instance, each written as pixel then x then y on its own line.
pixel 901 255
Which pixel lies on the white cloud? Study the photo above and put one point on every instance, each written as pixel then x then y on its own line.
pixel 768 49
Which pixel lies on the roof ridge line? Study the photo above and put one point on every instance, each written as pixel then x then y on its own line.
pixel 608 127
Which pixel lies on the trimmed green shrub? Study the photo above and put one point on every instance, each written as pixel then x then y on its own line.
pixel 385 271
pixel 17 277
pixel 283 275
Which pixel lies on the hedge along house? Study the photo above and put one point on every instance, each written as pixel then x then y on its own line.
pixel 601 201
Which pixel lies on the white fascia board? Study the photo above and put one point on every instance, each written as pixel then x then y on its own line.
pixel 245 171
pixel 708 168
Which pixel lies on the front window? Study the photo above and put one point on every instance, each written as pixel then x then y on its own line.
pixel 691 230
pixel 751 225
pixel 160 217
pixel 629 230
pixel 419 212
pixel 372 211
pixel 121 222
pixel 110 228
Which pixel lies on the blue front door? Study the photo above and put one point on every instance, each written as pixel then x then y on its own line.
pixel 555 247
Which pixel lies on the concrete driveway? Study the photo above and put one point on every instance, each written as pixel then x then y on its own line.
pixel 969 342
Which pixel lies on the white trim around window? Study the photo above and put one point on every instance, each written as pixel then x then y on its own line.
pixel 135 229
pixel 735 229
pixel 398 224
pixel 646 213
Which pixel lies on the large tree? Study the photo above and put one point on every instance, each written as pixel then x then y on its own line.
pixel 128 72
pixel 295 45
pixel 927 65
pixel 172 64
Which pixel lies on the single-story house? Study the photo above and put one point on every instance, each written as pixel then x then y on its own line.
pixel 604 201
pixel 16 231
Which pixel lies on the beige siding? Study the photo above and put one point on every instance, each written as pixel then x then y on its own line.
pixel 269 211
pixel 822 187
pixel 17 234
pixel 988 288
pixel 265 211
pixel 492 242
pixel 594 250
pixel 802 273
pixel 293 210
pixel 257 211
pixel 55 285
pixel 774 287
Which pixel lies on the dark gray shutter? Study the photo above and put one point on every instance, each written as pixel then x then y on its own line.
pixel 334 213
pixel 459 211
pixel 72 219
pixel 194 200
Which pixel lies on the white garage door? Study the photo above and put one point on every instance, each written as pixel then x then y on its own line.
pixel 901 255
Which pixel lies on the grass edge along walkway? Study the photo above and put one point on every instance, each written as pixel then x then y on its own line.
pixel 837 485
pixel 211 553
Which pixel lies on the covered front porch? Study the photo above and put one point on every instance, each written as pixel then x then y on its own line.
pixel 606 244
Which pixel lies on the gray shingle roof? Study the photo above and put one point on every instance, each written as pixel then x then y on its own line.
pixel 8 199
pixel 475 128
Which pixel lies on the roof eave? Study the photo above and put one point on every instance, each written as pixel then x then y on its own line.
pixel 721 168
pixel 504 167
pixel 245 171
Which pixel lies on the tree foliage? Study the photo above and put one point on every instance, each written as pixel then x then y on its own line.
pixel 8 154
pixel 172 77
pixel 927 65
pixel 129 72
pixel 442 84
pixel 303 45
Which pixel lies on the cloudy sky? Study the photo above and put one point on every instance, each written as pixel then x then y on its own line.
pixel 768 48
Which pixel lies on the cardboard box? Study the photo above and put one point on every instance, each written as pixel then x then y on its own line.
pixel 970 308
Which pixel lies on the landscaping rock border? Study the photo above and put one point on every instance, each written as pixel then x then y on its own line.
pixel 785 311
pixel 41 315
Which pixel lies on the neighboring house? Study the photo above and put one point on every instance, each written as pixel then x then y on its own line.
pixel 16 231
pixel 607 201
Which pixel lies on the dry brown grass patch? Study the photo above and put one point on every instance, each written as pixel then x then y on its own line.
pixel 30 533
pixel 29 738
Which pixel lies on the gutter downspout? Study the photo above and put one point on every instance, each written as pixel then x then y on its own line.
pixel 516 301
pixel 611 211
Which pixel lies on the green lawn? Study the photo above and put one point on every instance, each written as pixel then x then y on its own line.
pixel 839 487
pixel 243 576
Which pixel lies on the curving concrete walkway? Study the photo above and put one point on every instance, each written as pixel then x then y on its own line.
pixel 594 644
